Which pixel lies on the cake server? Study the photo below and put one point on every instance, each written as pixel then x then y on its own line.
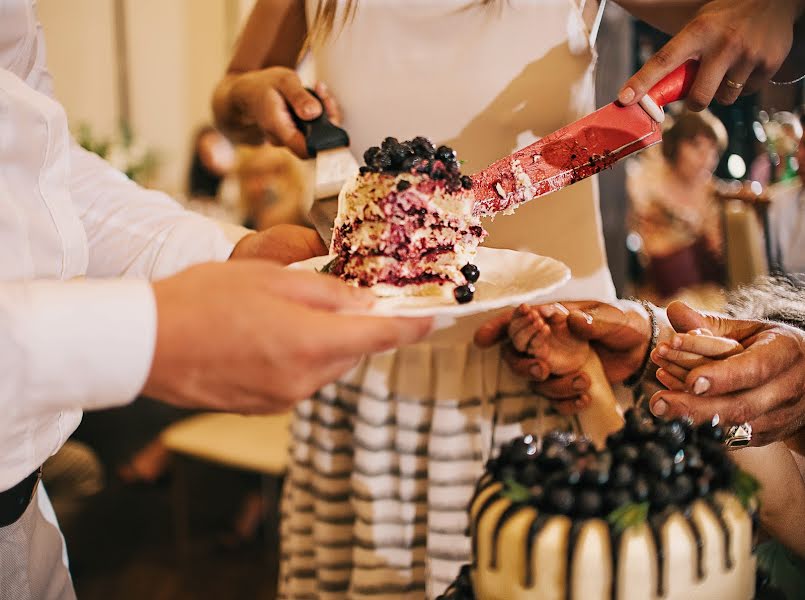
pixel 328 144
pixel 580 149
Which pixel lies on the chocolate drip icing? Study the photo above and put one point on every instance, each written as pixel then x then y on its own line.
pixel 697 537
pixel 512 510
pixel 572 538
pixel 656 523
pixel 725 531
pixel 534 530
pixel 614 553
pixel 484 507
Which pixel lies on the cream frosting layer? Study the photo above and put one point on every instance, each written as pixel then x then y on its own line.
pixel 501 572
pixel 404 234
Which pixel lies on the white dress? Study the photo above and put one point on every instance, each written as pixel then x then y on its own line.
pixel 384 462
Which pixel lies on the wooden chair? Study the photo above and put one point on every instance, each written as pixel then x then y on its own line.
pixel 258 444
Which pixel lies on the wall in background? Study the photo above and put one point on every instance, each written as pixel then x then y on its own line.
pixel 175 53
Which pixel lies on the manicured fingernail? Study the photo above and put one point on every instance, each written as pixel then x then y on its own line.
pixel 587 317
pixel 676 342
pixel 309 109
pixel 535 372
pixel 579 383
pixel 662 350
pixel 659 408
pixel 626 95
pixel 701 385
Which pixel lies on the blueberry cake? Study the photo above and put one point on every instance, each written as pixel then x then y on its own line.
pixel 405 225
pixel 660 512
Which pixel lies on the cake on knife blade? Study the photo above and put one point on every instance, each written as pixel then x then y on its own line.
pixel 405 223
pixel 580 149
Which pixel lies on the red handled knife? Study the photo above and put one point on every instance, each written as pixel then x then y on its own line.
pixel 580 149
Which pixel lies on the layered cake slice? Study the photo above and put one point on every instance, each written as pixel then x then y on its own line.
pixel 405 225
pixel 660 512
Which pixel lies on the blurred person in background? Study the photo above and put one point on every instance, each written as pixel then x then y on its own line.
pixel 787 216
pixel 673 206
pixel 776 160
pixel 273 188
pixel 212 188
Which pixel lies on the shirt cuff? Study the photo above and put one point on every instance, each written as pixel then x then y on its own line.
pixel 89 344
pixel 196 239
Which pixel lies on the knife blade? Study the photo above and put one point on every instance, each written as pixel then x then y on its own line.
pixel 578 150
pixel 328 144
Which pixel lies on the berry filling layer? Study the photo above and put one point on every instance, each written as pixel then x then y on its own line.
pixel 405 224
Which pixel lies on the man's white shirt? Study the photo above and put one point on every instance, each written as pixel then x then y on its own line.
pixel 79 242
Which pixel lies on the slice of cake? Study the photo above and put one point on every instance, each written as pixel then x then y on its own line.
pixel 405 225
pixel 661 512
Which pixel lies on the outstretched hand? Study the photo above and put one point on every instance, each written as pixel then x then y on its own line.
pixel 620 334
pixel 763 385
pixel 283 244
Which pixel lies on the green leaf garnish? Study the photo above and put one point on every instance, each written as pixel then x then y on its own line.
pixel 628 515
pixel 516 492
pixel 328 267
pixel 746 488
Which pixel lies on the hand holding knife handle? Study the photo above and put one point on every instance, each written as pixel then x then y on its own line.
pixel 671 88
pixel 320 133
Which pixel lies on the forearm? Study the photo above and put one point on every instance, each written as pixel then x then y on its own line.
pixel 669 16
pixel 782 492
pixel 80 344
pixel 134 232
pixel 273 37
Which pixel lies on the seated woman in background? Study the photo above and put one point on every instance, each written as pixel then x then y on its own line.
pixel 673 207
pixel 273 188
pixel 211 189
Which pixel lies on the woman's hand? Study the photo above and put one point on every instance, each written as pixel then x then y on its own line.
pixel 255 107
pixel 764 385
pixel 619 334
pixel 284 244
pixel 741 44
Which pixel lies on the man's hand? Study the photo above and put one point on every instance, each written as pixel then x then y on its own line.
pixel 284 244
pixel 620 335
pixel 248 336
pixel 764 385
pixel 740 44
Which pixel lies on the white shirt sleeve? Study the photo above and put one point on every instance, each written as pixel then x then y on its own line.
pixel 45 342
pixel 134 232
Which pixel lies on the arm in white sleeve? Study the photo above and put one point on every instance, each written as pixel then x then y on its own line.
pixel 77 344
pixel 131 231
pixel 137 232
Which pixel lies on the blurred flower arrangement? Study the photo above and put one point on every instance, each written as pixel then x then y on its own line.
pixel 122 151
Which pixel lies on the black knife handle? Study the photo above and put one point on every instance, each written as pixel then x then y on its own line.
pixel 320 133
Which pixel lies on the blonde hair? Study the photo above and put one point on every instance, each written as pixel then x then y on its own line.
pixel 324 20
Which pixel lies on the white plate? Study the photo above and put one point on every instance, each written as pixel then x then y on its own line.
pixel 508 278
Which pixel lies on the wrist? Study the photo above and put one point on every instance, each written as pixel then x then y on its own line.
pixel 658 329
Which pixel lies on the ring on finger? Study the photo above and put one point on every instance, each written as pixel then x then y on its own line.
pixel 733 84
pixel 738 436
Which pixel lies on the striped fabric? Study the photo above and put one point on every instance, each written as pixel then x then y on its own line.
pixel 383 466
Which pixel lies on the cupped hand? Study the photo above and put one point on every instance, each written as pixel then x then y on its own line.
pixel 284 244
pixel 256 107
pixel 740 41
pixel 764 385
pixel 249 336
pixel 619 333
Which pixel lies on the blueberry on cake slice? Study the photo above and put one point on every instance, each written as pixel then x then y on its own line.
pixel 405 224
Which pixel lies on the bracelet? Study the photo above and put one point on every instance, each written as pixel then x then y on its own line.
pixel 640 373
